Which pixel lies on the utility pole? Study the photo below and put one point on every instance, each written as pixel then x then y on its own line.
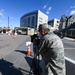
pixel 8 22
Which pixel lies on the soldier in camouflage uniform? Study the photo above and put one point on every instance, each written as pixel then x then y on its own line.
pixel 52 52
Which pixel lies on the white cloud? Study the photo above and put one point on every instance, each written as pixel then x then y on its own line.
pixel 2 10
pixel 49 8
pixel 1 13
pixel 44 6
pixel 72 6
pixel 66 11
pixel 10 17
pixel 1 21
pixel 47 12
pixel 72 12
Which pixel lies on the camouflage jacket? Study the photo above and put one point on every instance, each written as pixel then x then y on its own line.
pixel 52 51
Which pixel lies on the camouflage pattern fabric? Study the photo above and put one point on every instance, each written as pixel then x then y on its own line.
pixel 52 53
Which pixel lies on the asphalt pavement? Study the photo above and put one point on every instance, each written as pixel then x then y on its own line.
pixel 14 59
pixel 69 46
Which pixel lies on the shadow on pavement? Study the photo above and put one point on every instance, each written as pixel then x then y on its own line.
pixel 7 68
pixel 70 68
pixel 24 52
pixel 29 60
pixel 34 65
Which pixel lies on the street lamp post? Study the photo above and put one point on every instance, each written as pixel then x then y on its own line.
pixel 8 22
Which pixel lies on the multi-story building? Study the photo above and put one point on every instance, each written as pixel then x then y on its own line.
pixel 63 22
pixel 71 20
pixel 54 24
pixel 33 19
pixel 67 25
pixel 67 21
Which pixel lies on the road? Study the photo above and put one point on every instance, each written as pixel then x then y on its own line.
pixel 69 46
pixel 13 58
pixel 8 43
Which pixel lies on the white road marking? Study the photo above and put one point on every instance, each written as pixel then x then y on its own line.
pixel 70 60
pixel 70 42
pixel 69 38
pixel 69 48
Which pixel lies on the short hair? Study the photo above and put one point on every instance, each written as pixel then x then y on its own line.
pixel 44 26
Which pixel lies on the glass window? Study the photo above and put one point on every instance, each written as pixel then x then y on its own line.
pixel 51 23
pixel 25 22
pixel 40 18
pixel 28 21
pixel 33 21
pixel 22 22
pixel 40 21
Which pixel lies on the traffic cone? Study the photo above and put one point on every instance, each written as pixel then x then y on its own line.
pixel 28 50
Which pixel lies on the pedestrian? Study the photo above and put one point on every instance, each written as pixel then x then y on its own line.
pixel 35 40
pixel 52 51
pixel 35 67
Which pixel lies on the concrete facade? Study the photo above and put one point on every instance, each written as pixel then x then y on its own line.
pixel 33 19
pixel 67 25
pixel 67 21
pixel 54 24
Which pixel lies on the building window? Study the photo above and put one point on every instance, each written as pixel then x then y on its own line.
pixel 25 22
pixel 40 21
pixel 69 23
pixel 33 21
pixel 51 23
pixel 40 18
pixel 28 21
pixel 73 17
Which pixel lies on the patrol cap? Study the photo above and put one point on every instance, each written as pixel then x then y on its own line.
pixel 45 25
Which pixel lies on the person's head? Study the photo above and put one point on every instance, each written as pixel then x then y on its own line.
pixel 44 29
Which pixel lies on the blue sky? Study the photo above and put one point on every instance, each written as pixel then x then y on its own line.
pixel 14 9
